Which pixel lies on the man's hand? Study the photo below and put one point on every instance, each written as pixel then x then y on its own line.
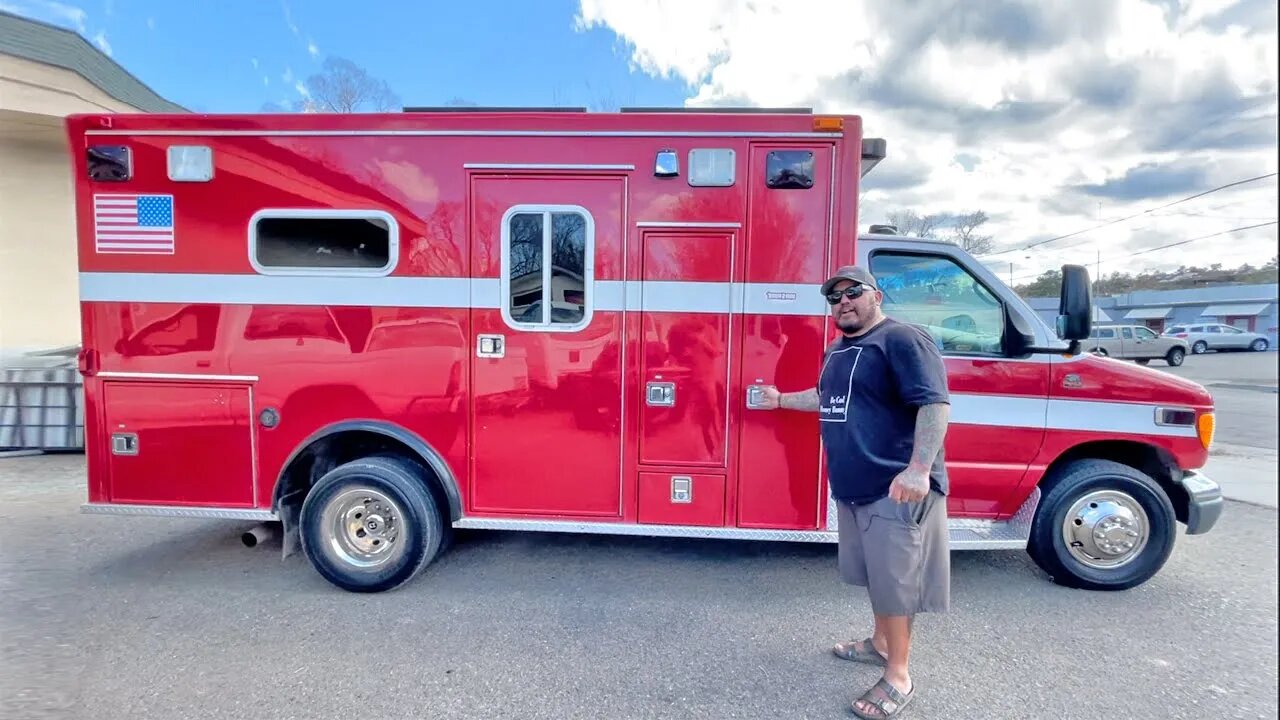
pixel 911 485
pixel 770 398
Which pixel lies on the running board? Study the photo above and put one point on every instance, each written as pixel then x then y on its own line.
pixel 964 534
pixel 1011 534
pixel 210 513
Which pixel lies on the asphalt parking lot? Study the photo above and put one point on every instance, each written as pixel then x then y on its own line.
pixel 111 617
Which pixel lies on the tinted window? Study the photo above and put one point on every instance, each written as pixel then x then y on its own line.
pixel 532 286
pixel 1106 333
pixel 1213 330
pixel 939 295
pixel 1176 329
pixel 789 170
pixel 1126 333
pixel 320 243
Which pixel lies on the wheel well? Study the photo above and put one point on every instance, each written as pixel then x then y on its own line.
pixel 1155 462
pixel 345 442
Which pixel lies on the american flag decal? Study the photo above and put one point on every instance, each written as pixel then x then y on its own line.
pixel 133 223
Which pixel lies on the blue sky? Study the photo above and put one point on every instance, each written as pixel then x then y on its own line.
pixel 202 55
pixel 1054 117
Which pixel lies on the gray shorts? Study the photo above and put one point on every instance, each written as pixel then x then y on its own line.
pixel 899 552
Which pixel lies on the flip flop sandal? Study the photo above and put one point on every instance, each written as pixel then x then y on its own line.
pixel 862 651
pixel 888 702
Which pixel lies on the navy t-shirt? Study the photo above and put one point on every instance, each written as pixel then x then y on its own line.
pixel 869 392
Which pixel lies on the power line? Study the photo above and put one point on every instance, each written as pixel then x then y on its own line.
pixel 1130 217
pixel 1202 237
pixel 1165 247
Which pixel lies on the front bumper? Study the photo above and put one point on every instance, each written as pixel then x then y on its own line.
pixel 1204 502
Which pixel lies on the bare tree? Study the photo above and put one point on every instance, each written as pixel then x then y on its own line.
pixel 344 87
pixel 964 232
pixel 909 222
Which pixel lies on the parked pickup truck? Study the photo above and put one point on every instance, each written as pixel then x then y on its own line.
pixel 1135 342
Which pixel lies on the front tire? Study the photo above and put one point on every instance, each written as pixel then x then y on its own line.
pixel 1101 525
pixel 1175 357
pixel 371 524
pixel 1258 345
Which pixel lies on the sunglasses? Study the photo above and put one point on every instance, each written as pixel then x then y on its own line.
pixel 853 292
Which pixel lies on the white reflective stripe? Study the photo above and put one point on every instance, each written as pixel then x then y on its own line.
pixel 784 299
pixel 1106 416
pixel 610 295
pixel 679 296
pixel 402 291
pixel 1053 414
pixel 485 293
pixel 276 289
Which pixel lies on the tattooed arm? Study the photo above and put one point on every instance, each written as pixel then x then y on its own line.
pixel 805 400
pixel 912 484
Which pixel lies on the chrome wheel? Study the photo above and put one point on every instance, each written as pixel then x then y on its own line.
pixel 1106 529
pixel 363 528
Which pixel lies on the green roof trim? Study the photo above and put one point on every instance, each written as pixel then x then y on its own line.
pixel 52 45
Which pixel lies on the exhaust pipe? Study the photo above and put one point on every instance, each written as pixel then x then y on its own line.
pixel 258 534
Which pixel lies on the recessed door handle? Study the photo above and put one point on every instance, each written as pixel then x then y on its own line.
pixel 660 394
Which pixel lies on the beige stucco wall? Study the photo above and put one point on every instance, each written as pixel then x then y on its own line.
pixel 39 292
pixel 39 289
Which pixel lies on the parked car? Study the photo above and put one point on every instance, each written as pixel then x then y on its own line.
pixel 1135 342
pixel 1204 337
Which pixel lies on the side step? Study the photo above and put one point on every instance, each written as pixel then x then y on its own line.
pixel 1011 534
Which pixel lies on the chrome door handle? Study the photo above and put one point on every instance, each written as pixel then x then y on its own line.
pixel 755 396
pixel 660 394
pixel 490 346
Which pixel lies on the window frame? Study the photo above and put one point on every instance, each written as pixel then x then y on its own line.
pixel 588 269
pixel 393 241
pixel 1001 302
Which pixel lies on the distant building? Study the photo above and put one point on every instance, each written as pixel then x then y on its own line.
pixel 1248 307
pixel 47 73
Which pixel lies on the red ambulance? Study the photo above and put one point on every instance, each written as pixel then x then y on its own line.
pixel 370 330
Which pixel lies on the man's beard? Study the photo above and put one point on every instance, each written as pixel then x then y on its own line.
pixel 850 323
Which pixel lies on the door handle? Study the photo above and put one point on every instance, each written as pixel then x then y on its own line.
pixel 755 397
pixel 660 394
pixel 490 346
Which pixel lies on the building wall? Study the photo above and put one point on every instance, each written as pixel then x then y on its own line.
pixel 39 289
pixel 1185 307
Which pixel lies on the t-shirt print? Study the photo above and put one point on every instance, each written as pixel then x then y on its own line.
pixel 837 384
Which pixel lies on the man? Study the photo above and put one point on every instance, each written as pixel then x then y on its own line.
pixel 883 404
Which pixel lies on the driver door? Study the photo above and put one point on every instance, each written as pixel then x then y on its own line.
pixel 998 404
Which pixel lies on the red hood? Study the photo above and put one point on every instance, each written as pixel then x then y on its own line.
pixel 1103 378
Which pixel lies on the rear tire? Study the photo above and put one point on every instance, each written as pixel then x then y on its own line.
pixel 1175 356
pixel 1101 525
pixel 371 524
pixel 1200 348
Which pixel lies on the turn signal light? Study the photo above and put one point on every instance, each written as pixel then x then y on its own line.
pixel 1205 428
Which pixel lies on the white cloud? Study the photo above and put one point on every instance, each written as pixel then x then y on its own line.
pixel 151 23
pixel 254 61
pixel 288 75
pixel 288 18
pixel 1032 111
pixel 101 41
pixel 56 12
pixel 302 89
pixel 312 49
pixel 266 81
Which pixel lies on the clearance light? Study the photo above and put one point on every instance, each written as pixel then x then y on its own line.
pixel 1205 428
pixel 828 124
pixel 190 163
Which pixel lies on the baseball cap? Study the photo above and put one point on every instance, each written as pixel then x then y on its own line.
pixel 850 272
